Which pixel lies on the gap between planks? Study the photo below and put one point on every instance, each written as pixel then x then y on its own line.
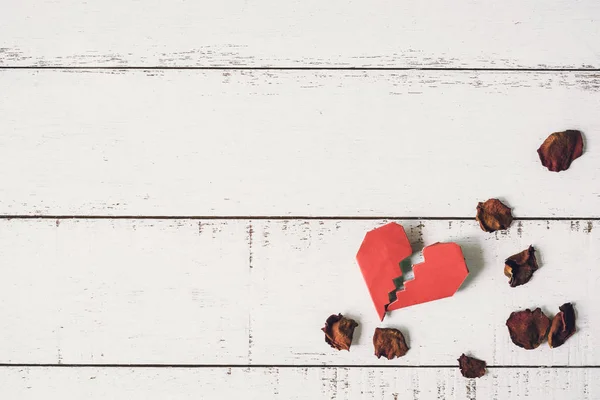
pixel 247 68
pixel 260 366
pixel 284 217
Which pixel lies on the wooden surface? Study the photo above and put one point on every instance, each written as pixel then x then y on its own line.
pixel 311 143
pixel 185 185
pixel 301 33
pixel 257 292
pixel 298 383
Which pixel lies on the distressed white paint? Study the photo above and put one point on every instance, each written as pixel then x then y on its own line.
pixel 305 270
pixel 258 292
pixel 298 383
pixel 381 33
pixel 318 143
pixel 383 143
pixel 120 291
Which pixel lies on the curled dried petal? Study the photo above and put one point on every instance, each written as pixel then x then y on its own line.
pixel 563 326
pixel 528 329
pixel 338 331
pixel 389 342
pixel 560 149
pixel 520 267
pixel 493 215
pixel 471 367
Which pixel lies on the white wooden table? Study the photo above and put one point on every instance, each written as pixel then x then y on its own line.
pixel 185 185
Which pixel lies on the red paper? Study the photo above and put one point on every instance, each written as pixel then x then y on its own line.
pixel 379 257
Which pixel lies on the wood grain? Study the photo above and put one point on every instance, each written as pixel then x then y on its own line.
pixel 305 270
pixel 123 291
pixel 298 383
pixel 248 292
pixel 307 33
pixel 280 143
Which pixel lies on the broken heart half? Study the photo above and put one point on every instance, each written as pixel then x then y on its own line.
pixel 379 258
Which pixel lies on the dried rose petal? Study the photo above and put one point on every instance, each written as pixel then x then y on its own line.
pixel 338 331
pixel 389 342
pixel 528 329
pixel 493 215
pixel 471 367
pixel 520 267
pixel 563 326
pixel 560 149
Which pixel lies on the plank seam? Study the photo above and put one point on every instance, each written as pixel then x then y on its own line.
pixel 262 366
pixel 246 68
pixel 284 217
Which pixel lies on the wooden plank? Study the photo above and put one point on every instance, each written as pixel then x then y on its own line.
pixel 257 292
pixel 101 291
pixel 382 33
pixel 318 143
pixel 298 383
pixel 303 271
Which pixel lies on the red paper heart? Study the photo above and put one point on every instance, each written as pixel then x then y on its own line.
pixel 379 257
